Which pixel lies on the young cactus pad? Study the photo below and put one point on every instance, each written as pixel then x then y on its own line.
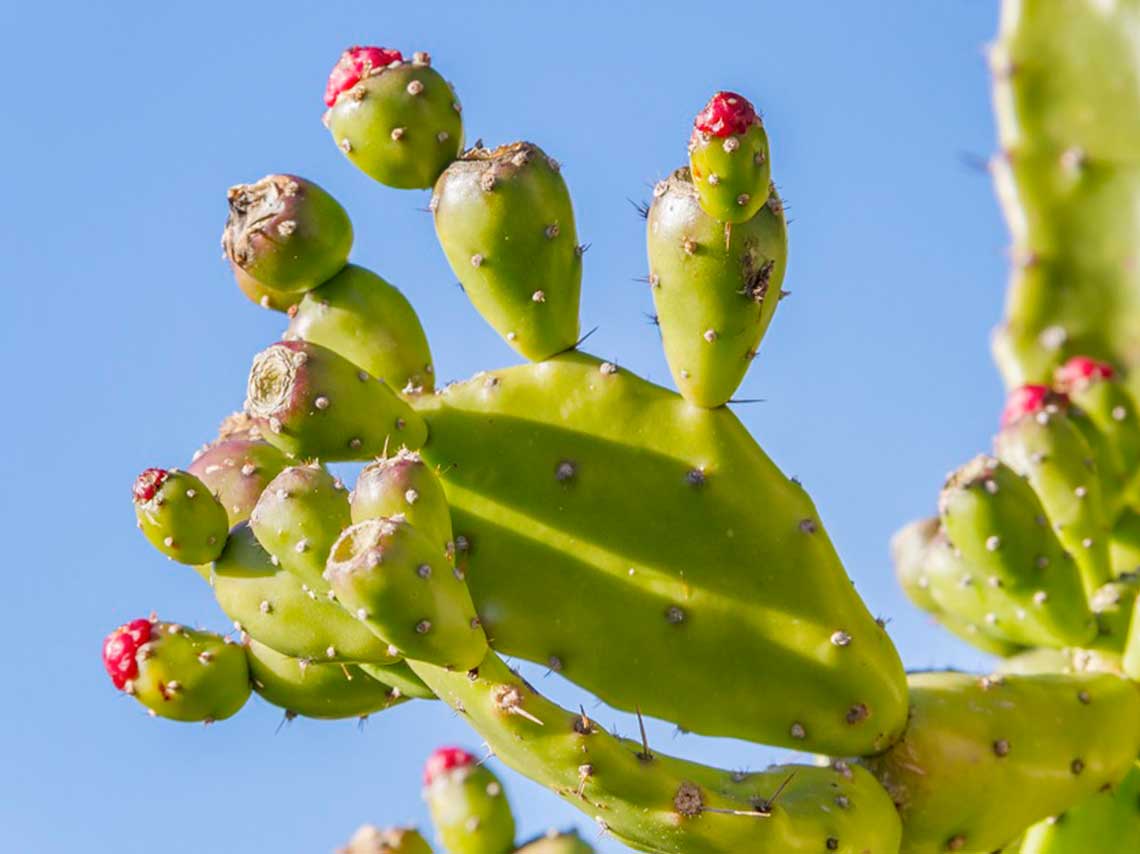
pixel 468 805
pixel 179 515
pixel 729 158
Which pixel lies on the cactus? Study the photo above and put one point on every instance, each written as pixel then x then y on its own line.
pixel 237 466
pixel 370 839
pixel 468 806
pixel 179 515
pixel 556 843
pixel 729 159
pixel 403 484
pixel 1107 821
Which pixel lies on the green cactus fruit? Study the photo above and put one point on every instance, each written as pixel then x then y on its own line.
pixel 297 519
pixel 265 297
pixel 1042 660
pixel 274 608
pixel 179 515
pixel 468 807
pixel 505 222
pixel 653 802
pixel 397 121
pixel 983 758
pixel 1108 821
pixel 370 839
pixel 914 549
pixel 553 842
pixel 176 672
pixel 237 466
pixel 1047 449
pixel 1017 567
pixel 402 585
pixel 370 323
pixel 310 402
pixel 728 158
pixel 1124 547
pixel 403 483
pixel 286 233
pixel 1066 90
pixel 714 296
pixel 316 690
pixel 640 510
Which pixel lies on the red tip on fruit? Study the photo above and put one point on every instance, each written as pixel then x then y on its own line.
pixel 149 483
pixel 726 113
pixel 445 759
pixel 120 648
pixel 1028 399
pixel 1081 371
pixel 354 65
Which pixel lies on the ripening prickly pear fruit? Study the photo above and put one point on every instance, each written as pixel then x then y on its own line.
pixel 504 219
pixel 370 323
pixel 1105 822
pixel 265 297
pixel 728 158
pixel 311 402
pixel 995 520
pixel 236 467
pixel 983 758
pixel 401 584
pixel 553 842
pixel 370 839
pixel 1045 447
pixel 179 515
pixel 286 233
pixel 398 121
pixel 297 519
pixel 403 483
pixel 176 672
pixel 468 806
pixel 714 296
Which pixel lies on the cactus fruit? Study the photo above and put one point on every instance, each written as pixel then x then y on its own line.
pixel 403 484
pixel 176 672
pixel 630 588
pixel 401 584
pixel 370 839
pixel 1105 822
pixel 179 515
pixel 714 296
pixel 1021 747
pixel 286 233
pixel 310 402
pixel 398 121
pixel 237 466
pixel 729 158
pixel 468 807
pixel 504 219
pixel 370 323
pixel 556 843
pixel 1017 568
pixel 265 297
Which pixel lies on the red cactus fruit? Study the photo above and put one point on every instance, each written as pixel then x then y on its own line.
pixel 353 65
pixel 725 114
pixel 149 483
pixel 1028 399
pixel 1081 371
pixel 445 759
pixel 120 648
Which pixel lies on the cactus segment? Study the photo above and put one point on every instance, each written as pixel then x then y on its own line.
pixel 553 842
pixel 914 549
pixel 316 690
pixel 236 470
pixel 1124 547
pixel 286 233
pixel 176 672
pixel 468 807
pixel 1113 605
pixel 1049 451
pixel 274 608
pixel 310 402
pixel 714 296
pixel 983 758
pixel 401 677
pixel 1130 658
pixel 298 518
pixel 265 297
pixel 1042 660
pixel 630 595
pixel 652 802
pixel 403 483
pixel 370 839
pixel 1018 569
pixel 370 323
pixel 401 584
pixel 1107 821
pixel 729 158
pixel 506 224
pixel 179 515
pixel 397 121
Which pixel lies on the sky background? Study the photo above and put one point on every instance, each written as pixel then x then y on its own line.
pixel 125 340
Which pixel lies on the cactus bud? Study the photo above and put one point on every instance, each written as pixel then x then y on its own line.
pixel 180 516
pixel 729 158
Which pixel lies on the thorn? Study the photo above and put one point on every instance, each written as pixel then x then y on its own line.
pixel 749 813
pixel 286 718
pixel 748 400
pixel 646 755
pixel 581 340
pixel 974 162
pixel 642 208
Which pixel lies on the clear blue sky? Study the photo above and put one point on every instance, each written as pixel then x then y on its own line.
pixel 125 340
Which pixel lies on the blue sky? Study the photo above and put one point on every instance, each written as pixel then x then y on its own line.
pixel 125 340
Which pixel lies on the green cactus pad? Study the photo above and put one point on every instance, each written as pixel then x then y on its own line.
pixel 400 583
pixel 286 233
pixel 1017 569
pixel 505 222
pixel 1124 547
pixel 715 291
pixel 1109 408
pixel 1107 822
pixel 401 677
pixel 370 839
pixel 310 402
pixel 400 125
pixel 470 811
pixel 236 470
pixel 316 690
pixel 557 843
pixel 982 758
pixel 370 323
pixel 274 608
pixel 180 516
pixel 403 484
pixel 1113 605
pixel 656 565
pixel 652 802
pixel 265 297
pixel 1042 660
